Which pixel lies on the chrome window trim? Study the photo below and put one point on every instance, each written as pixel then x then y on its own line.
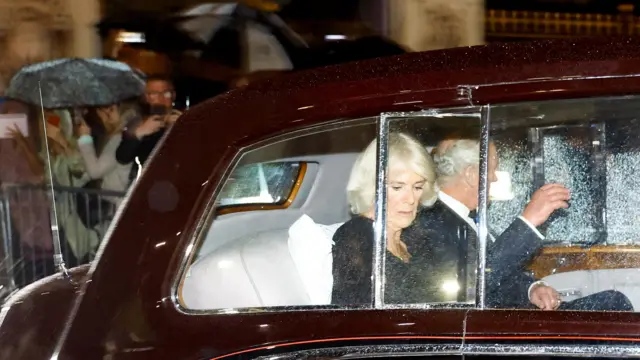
pixel 470 111
pixel 298 308
pixel 380 208
pixel 483 202
pixel 427 350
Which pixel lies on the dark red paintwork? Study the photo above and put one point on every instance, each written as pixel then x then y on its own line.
pixel 126 308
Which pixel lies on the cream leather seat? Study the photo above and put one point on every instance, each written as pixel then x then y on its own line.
pixel 255 271
pixel 576 284
pixel 245 259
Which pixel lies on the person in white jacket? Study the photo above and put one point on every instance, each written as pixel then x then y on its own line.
pixel 100 133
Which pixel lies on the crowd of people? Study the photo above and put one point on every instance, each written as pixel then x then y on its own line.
pixel 95 153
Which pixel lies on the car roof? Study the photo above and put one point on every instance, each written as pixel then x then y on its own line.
pixel 295 98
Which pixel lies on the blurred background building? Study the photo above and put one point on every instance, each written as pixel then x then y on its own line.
pixel 215 46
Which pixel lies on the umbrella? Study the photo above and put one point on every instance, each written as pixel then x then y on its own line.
pixel 159 34
pixel 70 83
pixel 242 37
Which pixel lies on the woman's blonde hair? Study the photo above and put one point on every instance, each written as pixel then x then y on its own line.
pixel 402 148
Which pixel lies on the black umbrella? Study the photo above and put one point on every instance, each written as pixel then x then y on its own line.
pixel 70 83
pixel 160 34
pixel 242 37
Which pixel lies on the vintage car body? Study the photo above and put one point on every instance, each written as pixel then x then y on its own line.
pixel 126 305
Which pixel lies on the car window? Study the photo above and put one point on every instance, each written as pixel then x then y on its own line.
pixel 586 254
pixel 268 242
pixel 582 257
pixel 261 183
pixel 430 254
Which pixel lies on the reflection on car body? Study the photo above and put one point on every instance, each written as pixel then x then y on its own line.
pixel 241 268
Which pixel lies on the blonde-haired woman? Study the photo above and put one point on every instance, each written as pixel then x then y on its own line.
pixel 410 184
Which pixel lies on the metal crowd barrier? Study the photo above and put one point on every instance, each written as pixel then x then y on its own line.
pixel 26 254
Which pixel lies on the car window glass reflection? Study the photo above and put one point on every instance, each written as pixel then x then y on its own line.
pixel 262 183
pixel 440 239
pixel 585 257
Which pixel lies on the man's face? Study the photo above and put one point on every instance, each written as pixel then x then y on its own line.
pixel 492 167
pixel 159 92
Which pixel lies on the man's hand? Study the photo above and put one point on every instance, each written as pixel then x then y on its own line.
pixel 151 125
pixel 545 297
pixel 173 116
pixel 544 202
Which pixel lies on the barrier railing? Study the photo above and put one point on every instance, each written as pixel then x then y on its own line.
pixel 26 254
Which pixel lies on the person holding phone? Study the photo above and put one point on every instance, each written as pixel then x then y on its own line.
pixel 139 140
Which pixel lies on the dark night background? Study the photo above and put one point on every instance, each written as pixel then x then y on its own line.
pixel 348 9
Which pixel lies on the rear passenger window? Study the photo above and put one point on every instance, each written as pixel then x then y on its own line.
pixel 262 183
pixel 586 253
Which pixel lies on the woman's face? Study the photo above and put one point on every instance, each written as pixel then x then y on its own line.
pixel 404 191
pixel 109 116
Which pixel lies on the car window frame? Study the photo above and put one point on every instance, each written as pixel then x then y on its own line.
pixel 382 122
pixel 210 213
pixel 484 111
pixel 484 114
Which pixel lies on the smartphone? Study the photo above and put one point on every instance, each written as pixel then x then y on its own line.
pixel 158 110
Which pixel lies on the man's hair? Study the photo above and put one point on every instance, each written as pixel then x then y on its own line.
pixel 453 155
pixel 403 149
pixel 159 77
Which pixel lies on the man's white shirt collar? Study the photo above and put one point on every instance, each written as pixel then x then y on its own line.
pixel 459 208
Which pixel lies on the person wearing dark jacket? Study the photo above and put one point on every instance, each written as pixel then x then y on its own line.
pixel 411 183
pixel 140 139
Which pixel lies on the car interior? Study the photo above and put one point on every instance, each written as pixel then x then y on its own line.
pixel 259 255
pixel 254 263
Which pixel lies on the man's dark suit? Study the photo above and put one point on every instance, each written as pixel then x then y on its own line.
pixel 450 242
pixel 447 243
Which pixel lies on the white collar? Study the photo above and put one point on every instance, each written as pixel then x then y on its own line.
pixel 461 210
pixel 455 205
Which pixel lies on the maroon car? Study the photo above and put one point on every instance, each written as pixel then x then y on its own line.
pixel 226 246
